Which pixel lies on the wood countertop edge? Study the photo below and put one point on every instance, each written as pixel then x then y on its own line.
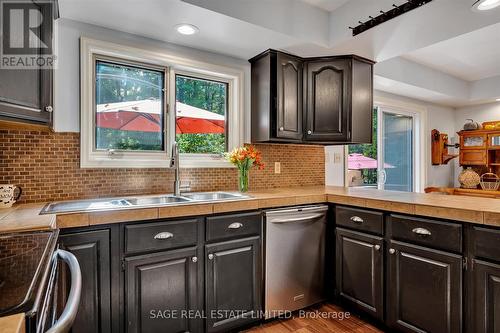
pixel 267 199
pixel 12 324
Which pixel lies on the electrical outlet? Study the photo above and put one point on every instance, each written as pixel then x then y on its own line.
pixel 277 167
pixel 336 158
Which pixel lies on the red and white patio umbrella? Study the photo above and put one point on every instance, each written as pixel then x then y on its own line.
pixel 144 116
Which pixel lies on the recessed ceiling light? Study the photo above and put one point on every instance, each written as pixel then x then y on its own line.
pixel 189 29
pixel 498 100
pixel 481 5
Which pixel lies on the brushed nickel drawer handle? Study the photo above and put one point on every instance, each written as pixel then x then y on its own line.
pixel 164 235
pixel 421 232
pixel 235 225
pixel 392 251
pixel 377 247
pixel 211 256
pixel 356 219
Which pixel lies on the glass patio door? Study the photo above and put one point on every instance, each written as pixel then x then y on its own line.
pixel 396 150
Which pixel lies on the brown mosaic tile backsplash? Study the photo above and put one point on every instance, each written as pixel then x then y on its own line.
pixel 47 167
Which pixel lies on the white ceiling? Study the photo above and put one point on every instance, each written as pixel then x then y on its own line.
pixel 445 36
pixel 472 56
pixel 328 5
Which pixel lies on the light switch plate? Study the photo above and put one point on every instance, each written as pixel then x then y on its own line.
pixel 277 167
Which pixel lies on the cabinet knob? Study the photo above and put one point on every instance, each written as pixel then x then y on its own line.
pixel 282 129
pixel 377 247
pixel 356 219
pixel 163 235
pixel 309 132
pixel 235 225
pixel 194 259
pixel 392 251
pixel 49 108
pixel 211 256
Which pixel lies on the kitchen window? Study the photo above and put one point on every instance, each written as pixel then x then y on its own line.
pixel 129 106
pixel 136 103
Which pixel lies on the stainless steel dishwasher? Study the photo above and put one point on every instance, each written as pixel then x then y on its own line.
pixel 294 258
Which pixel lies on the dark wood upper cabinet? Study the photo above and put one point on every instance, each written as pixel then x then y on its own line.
pixel 328 91
pixel 92 249
pixel 359 268
pixel 289 115
pixel 27 94
pixel 326 100
pixel 424 289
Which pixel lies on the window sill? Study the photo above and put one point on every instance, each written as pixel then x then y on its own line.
pixel 204 161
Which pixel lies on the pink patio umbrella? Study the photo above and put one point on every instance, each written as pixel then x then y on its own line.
pixel 358 161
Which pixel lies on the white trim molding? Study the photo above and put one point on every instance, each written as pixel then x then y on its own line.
pixel 90 158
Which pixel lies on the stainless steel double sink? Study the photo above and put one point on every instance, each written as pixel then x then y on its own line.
pixel 139 201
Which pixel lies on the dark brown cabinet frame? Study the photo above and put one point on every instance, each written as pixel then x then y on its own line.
pixel 468 264
pixel 321 100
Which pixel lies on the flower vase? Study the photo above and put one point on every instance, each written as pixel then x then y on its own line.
pixel 243 180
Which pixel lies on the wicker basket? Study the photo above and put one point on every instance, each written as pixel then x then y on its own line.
pixel 490 181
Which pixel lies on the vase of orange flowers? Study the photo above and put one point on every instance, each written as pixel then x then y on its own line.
pixel 244 158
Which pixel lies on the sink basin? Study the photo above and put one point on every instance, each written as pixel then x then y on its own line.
pixel 213 196
pixel 110 203
pixel 83 205
pixel 163 200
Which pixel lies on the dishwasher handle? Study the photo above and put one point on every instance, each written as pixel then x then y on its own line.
pixel 297 219
pixel 65 321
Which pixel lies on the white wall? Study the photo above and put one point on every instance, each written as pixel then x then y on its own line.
pixel 439 117
pixel 67 74
pixel 480 113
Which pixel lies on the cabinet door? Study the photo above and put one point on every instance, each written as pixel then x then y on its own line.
pixel 359 270
pixel 424 289
pixel 486 297
pixel 26 94
pixel 161 292
pixel 92 249
pixel 328 90
pixel 289 90
pixel 232 283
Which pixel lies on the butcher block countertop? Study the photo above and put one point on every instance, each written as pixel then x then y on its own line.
pixel 25 218
pixel 12 324
pixel 460 208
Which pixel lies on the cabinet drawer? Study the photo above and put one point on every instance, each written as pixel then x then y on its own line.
pixel 234 225
pixel 473 157
pixel 160 235
pixel 360 219
pixel 485 243
pixel 436 234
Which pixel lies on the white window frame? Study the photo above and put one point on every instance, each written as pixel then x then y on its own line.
pixel 90 158
pixel 420 139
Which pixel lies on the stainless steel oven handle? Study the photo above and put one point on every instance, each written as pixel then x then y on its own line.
pixel 297 219
pixel 65 321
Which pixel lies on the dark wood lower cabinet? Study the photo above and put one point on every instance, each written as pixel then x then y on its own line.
pixel 162 293
pixel 486 297
pixel 359 269
pixel 232 283
pixel 424 289
pixel 92 249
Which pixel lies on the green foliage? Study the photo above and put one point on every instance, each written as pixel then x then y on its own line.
pixel 201 143
pixel 207 95
pixel 369 150
pixel 203 94
pixel 119 83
